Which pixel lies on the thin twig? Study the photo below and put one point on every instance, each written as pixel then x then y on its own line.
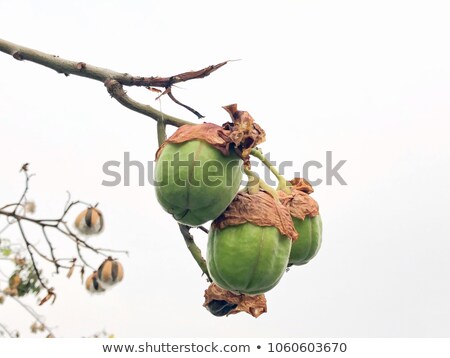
pixel 115 89
pixel 4 329
pixel 30 252
pixel 16 217
pixel 27 181
pixel 52 250
pixel 34 314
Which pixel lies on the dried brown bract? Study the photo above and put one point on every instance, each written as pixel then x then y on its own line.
pixel 207 132
pixel 243 134
pixel 260 209
pixel 298 202
pixel 243 131
pixel 253 305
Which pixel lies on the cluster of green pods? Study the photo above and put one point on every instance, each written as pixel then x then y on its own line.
pixel 254 236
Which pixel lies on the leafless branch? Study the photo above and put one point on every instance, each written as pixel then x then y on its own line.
pixel 4 329
pixel 60 225
pixel 29 310
pixel 114 81
pixel 33 314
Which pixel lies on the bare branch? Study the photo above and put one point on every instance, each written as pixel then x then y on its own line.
pixel 52 250
pixel 33 314
pixel 113 80
pixel 115 89
pixel 83 69
pixel 4 329
pixel 59 224
pixel 30 252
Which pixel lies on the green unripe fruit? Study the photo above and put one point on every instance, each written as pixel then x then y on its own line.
pixel 307 221
pixel 309 240
pixel 249 244
pixel 195 181
pixel 247 258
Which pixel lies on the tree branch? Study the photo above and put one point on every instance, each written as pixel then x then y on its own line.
pixel 33 314
pixel 194 249
pixel 4 329
pixel 59 224
pixel 114 81
pixel 115 89
pixel 29 310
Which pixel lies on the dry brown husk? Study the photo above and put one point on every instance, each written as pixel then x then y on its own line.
pixel 299 203
pixel 259 209
pixel 243 134
pixel 253 305
pixel 208 132
pixel 243 131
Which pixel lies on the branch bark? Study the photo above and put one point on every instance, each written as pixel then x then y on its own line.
pixel 116 90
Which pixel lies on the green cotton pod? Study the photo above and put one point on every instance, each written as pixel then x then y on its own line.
pixel 306 218
pixel 247 258
pixel 309 240
pixel 195 181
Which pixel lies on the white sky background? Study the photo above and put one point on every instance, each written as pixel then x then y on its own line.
pixel 368 80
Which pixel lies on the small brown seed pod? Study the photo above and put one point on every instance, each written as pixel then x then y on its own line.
pixel 93 285
pixel 90 221
pixel 110 272
pixel 221 302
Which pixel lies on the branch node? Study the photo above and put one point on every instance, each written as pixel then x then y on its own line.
pixel 81 66
pixel 115 89
pixel 18 55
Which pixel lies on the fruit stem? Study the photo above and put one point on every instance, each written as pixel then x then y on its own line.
pixel 194 250
pixel 161 131
pixel 282 184
pixel 255 183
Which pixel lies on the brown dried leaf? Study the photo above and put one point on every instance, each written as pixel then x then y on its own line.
pixel 302 185
pixel 71 269
pixel 50 294
pixel 259 209
pixel 14 281
pixel 208 132
pixel 253 305
pixel 243 131
pixel 298 202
